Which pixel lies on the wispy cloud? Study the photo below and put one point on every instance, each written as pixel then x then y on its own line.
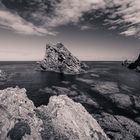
pixel 13 21
pixel 39 17
pixel 19 25
pixel 70 11
pixel 128 12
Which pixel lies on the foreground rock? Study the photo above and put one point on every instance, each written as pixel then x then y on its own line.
pixel 62 119
pixel 60 59
pixel 17 116
pixel 67 120
pixel 118 127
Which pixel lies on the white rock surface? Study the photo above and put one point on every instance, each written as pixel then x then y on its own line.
pixel 62 119
pixel 67 120
pixel 15 107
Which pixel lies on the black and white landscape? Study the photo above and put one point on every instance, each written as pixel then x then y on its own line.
pixel 69 70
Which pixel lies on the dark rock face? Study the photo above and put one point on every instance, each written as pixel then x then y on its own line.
pixel 60 59
pixel 135 64
pixel 19 130
pixel 118 127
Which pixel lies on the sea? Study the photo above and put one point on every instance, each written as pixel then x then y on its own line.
pixel 25 75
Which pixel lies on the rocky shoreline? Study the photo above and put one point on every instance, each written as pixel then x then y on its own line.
pixel 117 113
pixel 61 119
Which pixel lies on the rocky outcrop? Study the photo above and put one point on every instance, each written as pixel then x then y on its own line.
pixel 17 116
pixel 61 119
pixel 126 63
pixel 135 64
pixel 3 75
pixel 118 127
pixel 66 120
pixel 59 59
pixel 126 103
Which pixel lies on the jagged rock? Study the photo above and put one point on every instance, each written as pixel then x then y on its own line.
pixel 66 120
pixel 19 130
pixel 118 127
pixel 60 59
pixel 3 75
pixel 17 116
pixel 62 119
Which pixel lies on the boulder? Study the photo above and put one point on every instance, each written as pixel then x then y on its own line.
pixel 61 119
pixel 17 116
pixel 59 59
pixel 64 119
pixel 118 127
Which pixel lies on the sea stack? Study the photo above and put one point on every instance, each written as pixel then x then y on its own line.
pixel 59 59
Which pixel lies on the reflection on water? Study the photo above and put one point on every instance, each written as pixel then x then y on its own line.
pixel 24 75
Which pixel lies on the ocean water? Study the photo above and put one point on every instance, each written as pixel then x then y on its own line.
pixel 113 75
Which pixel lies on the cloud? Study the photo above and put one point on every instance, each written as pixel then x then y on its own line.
pixel 19 25
pixel 70 11
pixel 128 12
pixel 131 31
pixel 53 13
pixel 42 16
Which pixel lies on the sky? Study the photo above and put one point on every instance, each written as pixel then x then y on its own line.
pixel 93 30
